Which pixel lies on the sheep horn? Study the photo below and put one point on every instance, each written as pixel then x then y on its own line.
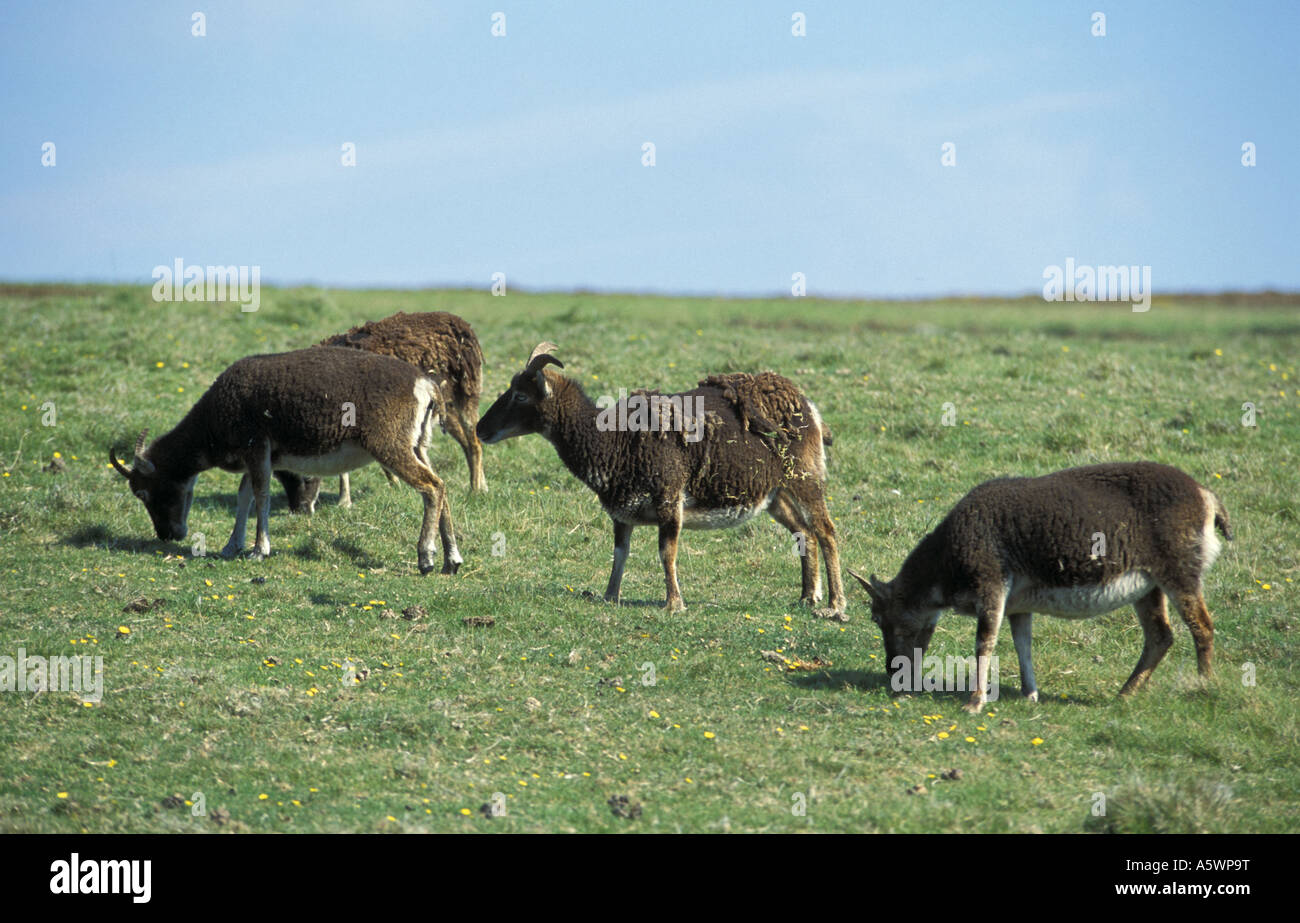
pixel 541 358
pixel 543 349
pixel 142 464
pixel 875 589
pixel 121 468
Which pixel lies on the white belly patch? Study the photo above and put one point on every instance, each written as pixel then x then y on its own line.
pixel 1081 601
pixel 722 517
pixel 347 457
pixel 693 517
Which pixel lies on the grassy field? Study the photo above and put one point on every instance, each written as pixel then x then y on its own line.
pixel 245 684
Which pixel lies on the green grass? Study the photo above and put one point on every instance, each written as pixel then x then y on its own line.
pixel 548 705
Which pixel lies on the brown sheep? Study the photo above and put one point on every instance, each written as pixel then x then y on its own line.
pixel 316 411
pixel 710 458
pixel 444 347
pixel 1076 544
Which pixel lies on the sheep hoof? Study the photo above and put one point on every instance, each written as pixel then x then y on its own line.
pixel 675 605
pixel 451 567
pixel 231 551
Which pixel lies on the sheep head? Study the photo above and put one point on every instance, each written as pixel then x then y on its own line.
pixel 518 411
pixel 167 501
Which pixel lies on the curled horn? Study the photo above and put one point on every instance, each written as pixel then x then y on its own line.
pixel 542 357
pixel 139 443
pixel 121 468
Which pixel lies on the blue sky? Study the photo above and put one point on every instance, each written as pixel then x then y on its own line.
pixel 774 154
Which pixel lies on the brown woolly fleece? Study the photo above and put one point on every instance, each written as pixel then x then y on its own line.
pixel 306 405
pixel 760 449
pixel 295 399
pixel 1042 528
pixel 441 344
pixel 444 347
pixel 1076 543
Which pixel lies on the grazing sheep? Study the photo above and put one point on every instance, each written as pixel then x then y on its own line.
pixel 318 411
pixel 444 347
pixel 710 458
pixel 1075 544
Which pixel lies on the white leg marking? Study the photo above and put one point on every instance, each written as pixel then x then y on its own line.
pixel 242 503
pixel 262 497
pixel 1022 634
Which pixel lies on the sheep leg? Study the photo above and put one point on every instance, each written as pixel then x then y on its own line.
pixel 451 559
pixel 459 424
pixel 259 473
pixel 1191 606
pixel 622 544
pixel 415 470
pixel 310 492
pixel 299 491
pixel 988 611
pixel 669 530
pixel 243 502
pixel 1022 634
pixel 788 515
pixel 345 490
pixel 430 489
pixel 824 527
pixel 812 504
pixel 1157 637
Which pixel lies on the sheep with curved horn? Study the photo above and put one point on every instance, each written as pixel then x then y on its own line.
pixel 318 411
pixel 710 458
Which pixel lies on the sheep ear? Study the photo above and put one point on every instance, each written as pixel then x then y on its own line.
pixel 142 464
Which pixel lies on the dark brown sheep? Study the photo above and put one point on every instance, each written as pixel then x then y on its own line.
pixel 445 348
pixel 318 411
pixel 1075 544
pixel 709 458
